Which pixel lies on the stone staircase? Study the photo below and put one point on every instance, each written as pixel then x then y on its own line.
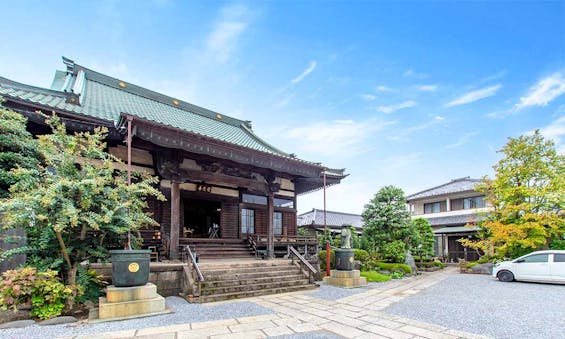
pixel 220 248
pixel 224 281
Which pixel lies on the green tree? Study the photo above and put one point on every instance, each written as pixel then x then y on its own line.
pixel 78 204
pixel 386 218
pixel 528 196
pixel 422 237
pixel 17 148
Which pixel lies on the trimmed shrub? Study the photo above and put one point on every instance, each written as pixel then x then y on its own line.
pixel 394 251
pixel 322 259
pixel 360 255
pixel 374 265
pixel 403 268
pixel 373 276
pixel 439 264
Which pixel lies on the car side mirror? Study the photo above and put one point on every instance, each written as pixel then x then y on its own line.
pixel 520 260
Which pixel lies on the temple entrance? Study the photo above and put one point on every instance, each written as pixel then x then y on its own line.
pixel 202 218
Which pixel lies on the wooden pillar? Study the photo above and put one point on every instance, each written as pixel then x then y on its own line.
pixel 175 220
pixel 270 231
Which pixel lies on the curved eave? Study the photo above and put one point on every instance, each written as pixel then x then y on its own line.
pixel 172 137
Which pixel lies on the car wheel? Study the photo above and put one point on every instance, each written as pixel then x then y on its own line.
pixel 505 276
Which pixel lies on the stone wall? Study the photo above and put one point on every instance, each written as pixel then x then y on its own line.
pixel 167 277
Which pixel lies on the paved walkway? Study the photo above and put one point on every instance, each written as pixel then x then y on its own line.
pixel 299 315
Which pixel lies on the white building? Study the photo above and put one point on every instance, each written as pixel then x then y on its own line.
pixel 452 209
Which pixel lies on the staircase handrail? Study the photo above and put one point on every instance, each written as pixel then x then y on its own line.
pixel 194 264
pixel 303 262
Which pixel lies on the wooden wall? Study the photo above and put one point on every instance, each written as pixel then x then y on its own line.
pixel 229 227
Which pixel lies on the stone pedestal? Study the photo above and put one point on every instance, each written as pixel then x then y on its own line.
pixel 347 279
pixel 127 302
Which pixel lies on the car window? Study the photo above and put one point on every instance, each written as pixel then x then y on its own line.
pixel 536 258
pixel 559 258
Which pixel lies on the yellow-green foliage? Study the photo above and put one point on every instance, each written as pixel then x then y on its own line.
pixel 47 295
pixel 527 193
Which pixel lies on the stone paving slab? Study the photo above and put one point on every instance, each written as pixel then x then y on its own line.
pixel 300 315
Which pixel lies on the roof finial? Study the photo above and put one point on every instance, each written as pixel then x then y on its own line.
pixel 70 64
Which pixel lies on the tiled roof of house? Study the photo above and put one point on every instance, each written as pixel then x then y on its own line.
pixel 454 186
pixel 107 98
pixel 333 219
pixel 453 220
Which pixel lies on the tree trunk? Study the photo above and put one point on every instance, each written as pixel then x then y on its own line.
pixel 70 274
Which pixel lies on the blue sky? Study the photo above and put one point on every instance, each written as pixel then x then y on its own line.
pixel 411 94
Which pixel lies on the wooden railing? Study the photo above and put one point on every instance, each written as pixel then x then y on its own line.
pixel 199 275
pixel 304 263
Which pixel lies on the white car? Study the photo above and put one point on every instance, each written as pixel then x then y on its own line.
pixel 540 266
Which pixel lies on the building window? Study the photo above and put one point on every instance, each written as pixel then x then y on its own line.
pixel 247 221
pixel 282 202
pixel 433 207
pixel 277 223
pixel 474 202
pixel 254 199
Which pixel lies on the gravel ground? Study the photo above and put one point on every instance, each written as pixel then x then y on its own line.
pixel 184 312
pixel 329 292
pixel 480 304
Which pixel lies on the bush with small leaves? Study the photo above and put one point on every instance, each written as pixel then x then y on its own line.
pixel 43 290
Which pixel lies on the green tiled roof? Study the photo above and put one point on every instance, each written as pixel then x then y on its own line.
pixel 82 91
pixel 102 97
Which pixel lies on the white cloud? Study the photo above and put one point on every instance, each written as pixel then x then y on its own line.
pixel 383 89
pixel 392 108
pixel 398 162
pixel 474 96
pixel 427 88
pixel 224 37
pixel 343 137
pixel 545 91
pixel 368 97
pixel 410 73
pixel 465 138
pixel 405 133
pixel 555 131
pixel 499 114
pixel 284 101
pixel 305 73
pixel 493 77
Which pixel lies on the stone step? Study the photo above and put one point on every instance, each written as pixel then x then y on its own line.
pixel 233 275
pixel 246 269
pixel 248 294
pixel 248 264
pixel 227 249
pixel 253 287
pixel 241 245
pixel 223 255
pixel 259 280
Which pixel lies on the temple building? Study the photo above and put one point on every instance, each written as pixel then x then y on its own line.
pixel 222 182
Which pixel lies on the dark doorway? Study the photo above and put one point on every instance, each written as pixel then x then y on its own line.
pixel 457 251
pixel 201 217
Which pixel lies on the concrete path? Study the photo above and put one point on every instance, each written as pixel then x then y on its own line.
pixel 299 315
